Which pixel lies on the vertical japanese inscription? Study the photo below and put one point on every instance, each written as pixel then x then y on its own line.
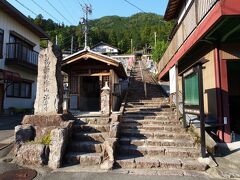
pixel 46 84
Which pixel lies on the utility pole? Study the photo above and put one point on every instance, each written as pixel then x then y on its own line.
pixel 56 40
pixel 87 9
pixel 72 45
pixel 155 38
pixel 132 46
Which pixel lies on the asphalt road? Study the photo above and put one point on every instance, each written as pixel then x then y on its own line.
pixel 110 176
pixel 7 125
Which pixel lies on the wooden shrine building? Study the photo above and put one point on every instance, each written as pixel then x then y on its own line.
pixel 88 72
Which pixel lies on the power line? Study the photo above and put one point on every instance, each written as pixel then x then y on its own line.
pixel 45 11
pixel 58 12
pixel 26 7
pixel 66 9
pixel 134 6
pixel 80 2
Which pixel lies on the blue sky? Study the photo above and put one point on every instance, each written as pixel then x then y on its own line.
pixel 72 12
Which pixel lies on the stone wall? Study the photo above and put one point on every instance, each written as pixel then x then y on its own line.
pixel 29 148
pixel 110 144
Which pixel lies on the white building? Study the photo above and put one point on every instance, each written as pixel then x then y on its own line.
pixel 105 48
pixel 19 47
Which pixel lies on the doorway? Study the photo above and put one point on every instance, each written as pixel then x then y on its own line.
pixel 233 72
pixel 1 97
pixel 89 93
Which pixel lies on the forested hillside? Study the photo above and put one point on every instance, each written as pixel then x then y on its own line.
pixel 114 30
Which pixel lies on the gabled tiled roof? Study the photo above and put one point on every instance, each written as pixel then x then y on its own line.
pixel 88 54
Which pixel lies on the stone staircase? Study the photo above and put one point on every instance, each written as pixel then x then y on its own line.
pixel 150 137
pixel 86 145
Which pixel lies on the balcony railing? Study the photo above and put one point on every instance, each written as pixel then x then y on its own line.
pixel 195 14
pixel 17 53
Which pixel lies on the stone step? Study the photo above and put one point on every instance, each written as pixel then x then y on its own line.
pixel 133 103
pixel 148 100
pixel 100 137
pixel 138 95
pixel 149 116
pixel 171 128
pixel 153 134
pixel 130 162
pixel 149 113
pixel 91 128
pixel 144 122
pixel 84 159
pixel 93 120
pixel 85 146
pixel 142 108
pixel 156 142
pixel 163 151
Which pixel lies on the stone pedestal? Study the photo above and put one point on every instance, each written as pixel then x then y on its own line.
pixel 105 100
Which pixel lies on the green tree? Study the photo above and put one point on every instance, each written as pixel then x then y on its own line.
pixel 114 30
pixel 159 50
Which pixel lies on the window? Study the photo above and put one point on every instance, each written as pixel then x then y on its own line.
pixel 19 90
pixel 191 89
pixel 1 42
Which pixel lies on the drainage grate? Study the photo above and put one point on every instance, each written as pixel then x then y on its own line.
pixel 20 174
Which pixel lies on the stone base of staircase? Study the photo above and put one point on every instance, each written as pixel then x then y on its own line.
pixel 86 146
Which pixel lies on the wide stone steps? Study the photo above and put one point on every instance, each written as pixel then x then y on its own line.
pixel 149 106
pixel 149 116
pixel 144 103
pixel 84 159
pixel 149 113
pixel 91 128
pixel 141 108
pixel 164 151
pixel 155 127
pixel 136 122
pixel 153 134
pixel 163 106
pixel 83 136
pixel 85 146
pixel 155 142
pixel 129 162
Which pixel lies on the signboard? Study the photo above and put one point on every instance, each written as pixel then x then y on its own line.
pixel 193 100
pixel 191 90
pixel 172 77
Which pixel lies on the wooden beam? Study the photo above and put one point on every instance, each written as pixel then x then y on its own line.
pixel 94 74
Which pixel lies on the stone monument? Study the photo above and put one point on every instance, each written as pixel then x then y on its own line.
pixel 48 127
pixel 49 96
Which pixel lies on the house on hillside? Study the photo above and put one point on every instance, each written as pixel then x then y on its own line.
pixel 88 72
pixel 127 60
pixel 19 47
pixel 204 52
pixel 105 48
